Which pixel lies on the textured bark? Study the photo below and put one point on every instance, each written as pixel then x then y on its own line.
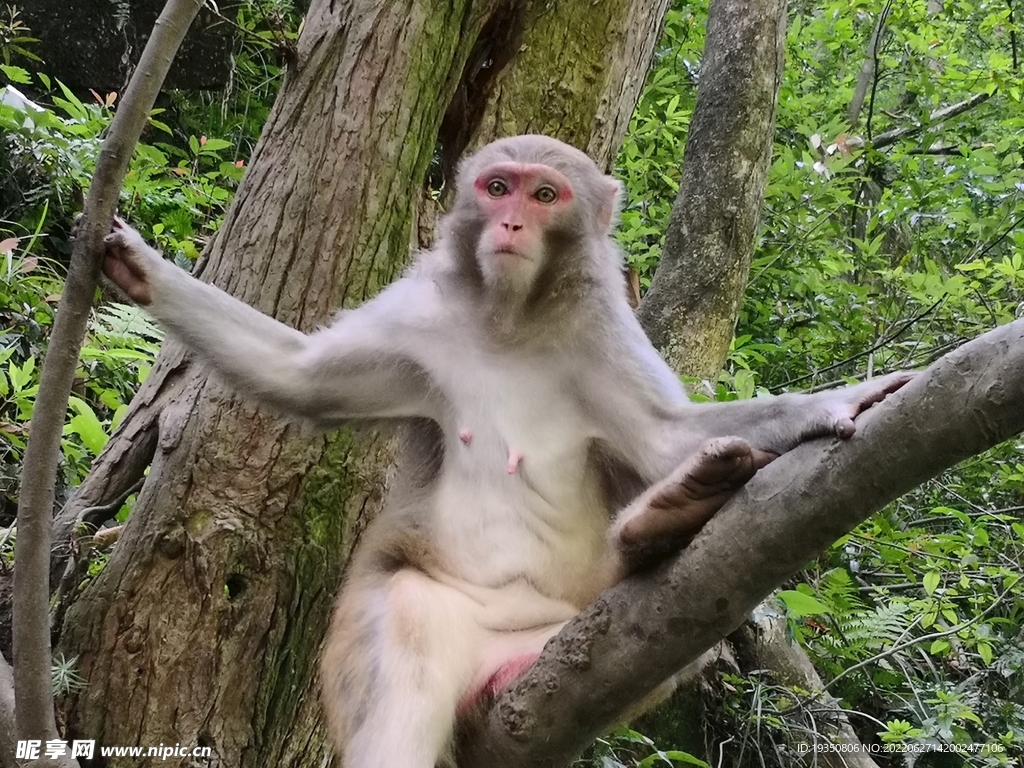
pixel 690 311
pixel 204 626
pixel 578 75
pixel 641 631
pixel 571 70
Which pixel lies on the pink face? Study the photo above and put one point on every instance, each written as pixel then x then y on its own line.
pixel 520 201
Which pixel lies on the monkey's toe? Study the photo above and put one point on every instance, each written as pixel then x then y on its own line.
pixel 722 464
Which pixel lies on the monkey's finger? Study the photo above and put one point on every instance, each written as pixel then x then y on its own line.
pixel 115 244
pixel 883 388
pixel 895 381
pixel 844 428
pixel 120 251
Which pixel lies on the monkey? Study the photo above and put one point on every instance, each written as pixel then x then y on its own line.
pixel 550 451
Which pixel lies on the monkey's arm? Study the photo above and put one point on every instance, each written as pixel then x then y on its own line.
pixel 707 452
pixel 776 424
pixel 350 370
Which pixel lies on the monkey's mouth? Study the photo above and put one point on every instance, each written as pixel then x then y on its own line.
pixel 508 250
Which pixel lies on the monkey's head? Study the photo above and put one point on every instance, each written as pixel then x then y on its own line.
pixel 531 215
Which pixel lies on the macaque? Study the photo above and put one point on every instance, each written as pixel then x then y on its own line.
pixel 552 451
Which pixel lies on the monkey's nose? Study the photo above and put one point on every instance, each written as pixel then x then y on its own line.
pixel 513 227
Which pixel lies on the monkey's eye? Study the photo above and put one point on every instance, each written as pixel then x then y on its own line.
pixel 546 194
pixel 497 188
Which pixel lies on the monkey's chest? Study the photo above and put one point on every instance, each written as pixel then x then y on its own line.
pixel 517 496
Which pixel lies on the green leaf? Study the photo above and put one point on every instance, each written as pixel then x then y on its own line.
pixel 798 604
pixel 214 145
pixel 745 384
pixel 160 126
pixel 985 651
pixel 939 646
pixel 16 377
pixel 86 425
pixel 119 415
pixel 931 581
pixel 16 74
pixel 71 103
pixel 667 757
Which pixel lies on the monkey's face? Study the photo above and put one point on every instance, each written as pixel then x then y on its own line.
pixel 523 206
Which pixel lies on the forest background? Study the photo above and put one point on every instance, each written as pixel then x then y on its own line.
pixel 888 237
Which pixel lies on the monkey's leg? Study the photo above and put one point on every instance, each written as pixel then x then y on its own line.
pixel 400 654
pixel 671 512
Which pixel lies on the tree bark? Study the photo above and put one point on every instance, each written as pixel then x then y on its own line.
pixel 690 311
pixel 640 632
pixel 7 727
pixel 204 626
pixel 578 75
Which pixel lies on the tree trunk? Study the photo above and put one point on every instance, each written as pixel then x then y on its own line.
pixel 204 626
pixel 690 311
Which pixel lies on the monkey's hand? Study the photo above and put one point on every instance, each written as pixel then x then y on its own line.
pixel 673 511
pixel 838 408
pixel 130 262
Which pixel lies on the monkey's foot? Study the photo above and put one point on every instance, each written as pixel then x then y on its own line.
pixel 680 505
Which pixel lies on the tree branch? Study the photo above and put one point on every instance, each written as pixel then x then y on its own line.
pixel 31 630
pixel 646 628
pixel 883 140
pixel 874 69
pixel 866 77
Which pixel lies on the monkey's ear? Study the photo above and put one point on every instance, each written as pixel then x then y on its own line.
pixel 611 204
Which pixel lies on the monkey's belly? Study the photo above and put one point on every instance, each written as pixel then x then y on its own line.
pixel 510 533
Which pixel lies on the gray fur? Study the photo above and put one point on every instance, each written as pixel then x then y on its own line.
pixel 490 544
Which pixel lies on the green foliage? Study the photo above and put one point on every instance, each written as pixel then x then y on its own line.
pixel 626 747
pixel 179 184
pixel 266 32
pixel 117 355
pixel 649 162
pixel 15 38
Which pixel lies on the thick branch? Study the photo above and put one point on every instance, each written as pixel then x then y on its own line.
pixel 35 505
pixel 868 70
pixel 883 140
pixel 644 629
